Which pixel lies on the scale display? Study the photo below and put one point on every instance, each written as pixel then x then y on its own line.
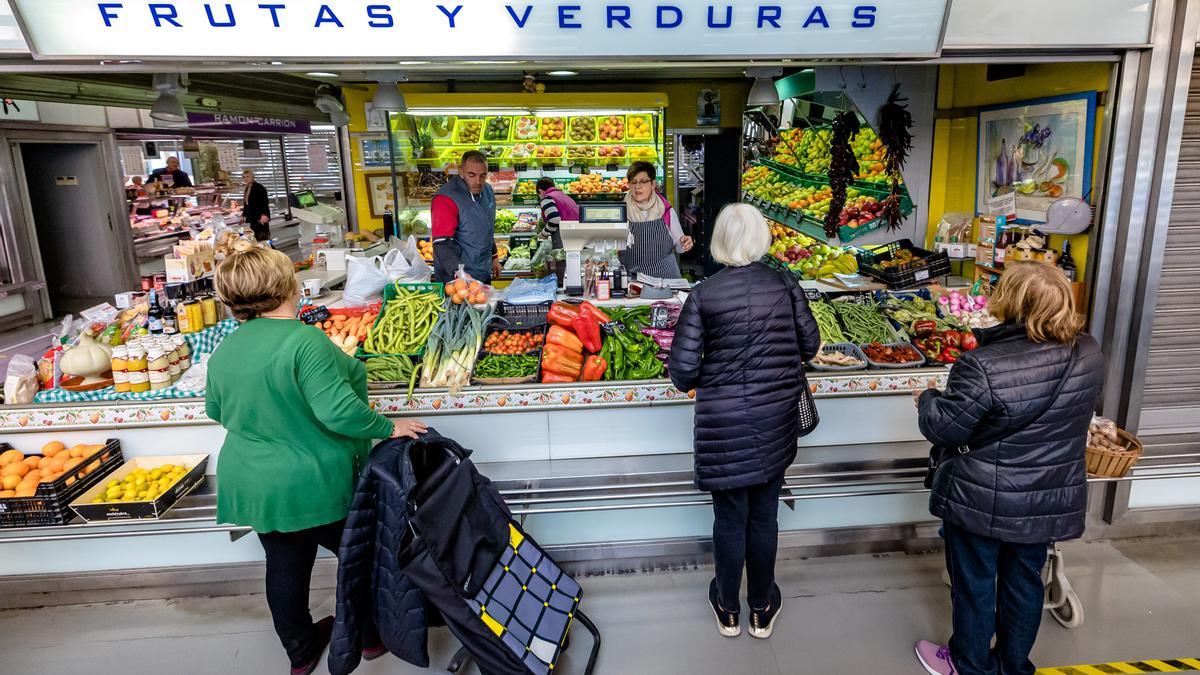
pixel 601 213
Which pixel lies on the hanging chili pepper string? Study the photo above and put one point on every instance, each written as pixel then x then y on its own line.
pixel 895 124
pixel 843 166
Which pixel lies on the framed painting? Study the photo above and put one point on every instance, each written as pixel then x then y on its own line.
pixel 1038 150
pixel 379 192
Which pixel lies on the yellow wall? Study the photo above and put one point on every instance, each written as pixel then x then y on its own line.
pixel 680 101
pixel 952 181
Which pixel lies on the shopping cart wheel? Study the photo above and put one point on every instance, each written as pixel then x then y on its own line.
pixel 1062 600
pixel 1070 614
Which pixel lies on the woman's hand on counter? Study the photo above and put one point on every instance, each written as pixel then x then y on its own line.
pixel 408 428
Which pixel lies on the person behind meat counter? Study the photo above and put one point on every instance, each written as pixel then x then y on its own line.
pixel 179 177
pixel 654 224
pixel 464 223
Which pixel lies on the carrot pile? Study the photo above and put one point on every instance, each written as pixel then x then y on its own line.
pixel 348 330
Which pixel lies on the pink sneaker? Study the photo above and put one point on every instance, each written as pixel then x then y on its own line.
pixel 935 658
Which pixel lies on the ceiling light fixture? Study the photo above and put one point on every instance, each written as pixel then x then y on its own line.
pixel 168 107
pixel 561 73
pixel 763 93
pixel 387 94
pixel 321 73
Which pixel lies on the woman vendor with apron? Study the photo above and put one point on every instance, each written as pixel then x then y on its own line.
pixel 654 225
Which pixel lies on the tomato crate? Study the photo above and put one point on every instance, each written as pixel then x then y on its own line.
pixel 51 504
pixel 523 316
pixel 389 293
pixel 925 268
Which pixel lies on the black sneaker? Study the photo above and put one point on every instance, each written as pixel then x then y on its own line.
pixel 727 622
pixel 762 621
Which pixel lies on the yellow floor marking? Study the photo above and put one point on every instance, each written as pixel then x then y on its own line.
pixel 1127 667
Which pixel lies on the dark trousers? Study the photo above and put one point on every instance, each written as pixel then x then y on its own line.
pixel 290 558
pixel 997 590
pixel 746 534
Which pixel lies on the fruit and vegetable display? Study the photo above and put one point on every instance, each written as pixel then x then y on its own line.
pixel 142 484
pixel 549 152
pixel 612 128
pixel 438 127
pixel 348 327
pixel 832 357
pixel 505 221
pixel 526 129
pixel 611 151
pixel 863 323
pixel 470 291
pixel 526 188
pixel 583 129
pixel 827 321
pixel 513 342
pixel 506 366
pixel 971 310
pixel 523 150
pixel 642 152
pixel 425 248
pixel 468 131
pixel 630 353
pixel 391 369
pixel 454 344
pixel 553 129
pixel 20 474
pixel 895 354
pixel 942 346
pixel 808 258
pixel 640 128
pixel 497 128
pixel 592 183
pixel 406 321
pixel 580 152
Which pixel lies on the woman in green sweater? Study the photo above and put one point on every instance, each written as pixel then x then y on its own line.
pixel 298 428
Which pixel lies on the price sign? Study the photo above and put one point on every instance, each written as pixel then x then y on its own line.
pixel 548 167
pixel 314 315
pixel 612 166
pixel 813 294
pixel 579 169
pixel 423 168
pixel 493 168
pixel 520 166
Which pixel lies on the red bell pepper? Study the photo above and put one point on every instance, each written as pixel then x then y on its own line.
pixel 594 369
pixel 588 331
pixel 969 341
pixel 551 378
pixel 562 367
pixel 923 328
pixel 561 336
pixel 562 314
pixel 952 338
pixel 564 353
pixel 594 311
pixel 948 355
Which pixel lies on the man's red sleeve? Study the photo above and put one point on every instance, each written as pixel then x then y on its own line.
pixel 444 214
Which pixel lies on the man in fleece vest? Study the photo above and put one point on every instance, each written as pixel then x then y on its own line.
pixel 464 223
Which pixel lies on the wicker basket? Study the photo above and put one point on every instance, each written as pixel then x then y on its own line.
pixel 1114 464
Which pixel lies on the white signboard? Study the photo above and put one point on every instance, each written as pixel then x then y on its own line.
pixel 18 110
pixel 456 29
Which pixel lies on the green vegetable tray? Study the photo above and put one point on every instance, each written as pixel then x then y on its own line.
pixel 512 124
pixel 483 352
pixel 389 293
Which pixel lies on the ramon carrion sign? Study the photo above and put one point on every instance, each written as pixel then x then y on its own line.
pixel 478 29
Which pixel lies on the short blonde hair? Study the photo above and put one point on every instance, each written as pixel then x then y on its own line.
pixel 255 281
pixel 741 236
pixel 1039 296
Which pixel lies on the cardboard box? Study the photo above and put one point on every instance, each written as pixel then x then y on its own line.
pixel 985 254
pixel 956 251
pixel 141 510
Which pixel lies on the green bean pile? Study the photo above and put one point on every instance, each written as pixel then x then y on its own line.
pixel 405 324
pixel 864 323
pixel 393 369
pixel 827 321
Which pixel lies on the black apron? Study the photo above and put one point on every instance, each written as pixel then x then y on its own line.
pixel 652 252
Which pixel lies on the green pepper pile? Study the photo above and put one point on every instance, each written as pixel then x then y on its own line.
pixel 630 354
pixel 502 366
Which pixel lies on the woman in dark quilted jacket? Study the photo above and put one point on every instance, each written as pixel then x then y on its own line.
pixel 741 342
pixel 1014 416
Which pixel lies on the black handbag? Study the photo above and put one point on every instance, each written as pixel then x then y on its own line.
pixel 807 416
pixel 939 455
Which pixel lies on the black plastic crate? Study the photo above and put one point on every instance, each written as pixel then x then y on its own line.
pixel 51 504
pixel 523 316
pixel 927 268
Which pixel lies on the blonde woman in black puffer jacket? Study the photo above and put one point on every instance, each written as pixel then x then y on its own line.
pixel 1015 416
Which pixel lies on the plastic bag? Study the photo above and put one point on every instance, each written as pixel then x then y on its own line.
pixel 21 380
pixel 419 271
pixel 395 266
pixel 365 280
pixel 466 289
pixel 532 291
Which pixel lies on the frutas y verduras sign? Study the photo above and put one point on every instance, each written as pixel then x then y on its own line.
pixel 466 30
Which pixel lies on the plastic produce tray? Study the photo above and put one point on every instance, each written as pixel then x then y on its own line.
pixel 142 509
pixel 461 124
pixel 512 123
pixel 919 360
pixel 524 316
pixel 926 269
pixel 51 504
pixel 581 121
pixel 849 350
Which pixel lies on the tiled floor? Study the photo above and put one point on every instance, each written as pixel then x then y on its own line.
pixel 849 615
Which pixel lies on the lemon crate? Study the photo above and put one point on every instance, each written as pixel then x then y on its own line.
pixel 641 153
pixel 51 504
pixel 88 510
pixel 648 119
pixel 389 293
pixel 461 125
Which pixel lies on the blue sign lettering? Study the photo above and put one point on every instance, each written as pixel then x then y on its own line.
pixel 712 21
pixel 769 14
pixel 864 16
pixel 566 16
pixel 212 21
pixel 449 14
pixel 519 20
pixel 380 16
pixel 619 14
pixel 663 10
pixel 107 15
pixel 274 10
pixel 817 15
pixel 166 13
pixel 326 15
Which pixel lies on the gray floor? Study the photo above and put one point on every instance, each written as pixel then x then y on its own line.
pixel 856 614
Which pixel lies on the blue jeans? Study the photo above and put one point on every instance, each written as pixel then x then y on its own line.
pixel 996 590
pixel 746 534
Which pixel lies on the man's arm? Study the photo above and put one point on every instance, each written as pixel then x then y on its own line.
pixel 447 254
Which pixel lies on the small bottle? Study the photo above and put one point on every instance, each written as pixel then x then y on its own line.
pixel 208 305
pixel 137 367
pixel 603 286
pixel 120 356
pixel 1066 263
pixel 195 313
pixel 183 318
pixel 185 353
pixel 159 369
pixel 168 347
pixel 154 316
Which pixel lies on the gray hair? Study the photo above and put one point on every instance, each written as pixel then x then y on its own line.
pixel 741 236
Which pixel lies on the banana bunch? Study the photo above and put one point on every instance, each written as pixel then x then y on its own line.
pixel 843 264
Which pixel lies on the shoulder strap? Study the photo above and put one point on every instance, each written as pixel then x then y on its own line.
pixel 1062 381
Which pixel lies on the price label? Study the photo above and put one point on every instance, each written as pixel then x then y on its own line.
pixel 921 275
pixel 579 169
pixel 519 167
pixel 612 166
pixel 423 168
pixel 314 315
pixel 612 328
pixel 813 294
pixel 548 166
pixel 493 168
